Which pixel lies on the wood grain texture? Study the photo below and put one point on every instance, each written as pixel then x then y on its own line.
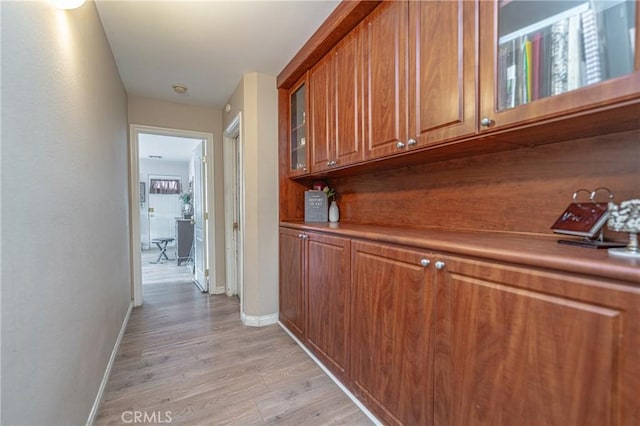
pixel 517 346
pixel 292 289
pixel 442 70
pixel 385 70
pixel 516 191
pixel 348 89
pixel 188 354
pixel 391 331
pixel 519 249
pixel 328 279
pixel 321 124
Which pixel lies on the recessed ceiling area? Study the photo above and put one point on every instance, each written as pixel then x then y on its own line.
pixel 205 45
pixel 169 148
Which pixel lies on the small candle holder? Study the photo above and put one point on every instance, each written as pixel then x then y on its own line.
pixel 626 218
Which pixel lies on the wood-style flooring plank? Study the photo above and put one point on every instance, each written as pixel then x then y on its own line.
pixel 188 355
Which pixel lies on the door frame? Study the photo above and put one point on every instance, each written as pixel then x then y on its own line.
pixel 135 244
pixel 234 181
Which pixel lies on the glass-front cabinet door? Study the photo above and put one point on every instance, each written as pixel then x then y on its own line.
pixel 541 59
pixel 298 151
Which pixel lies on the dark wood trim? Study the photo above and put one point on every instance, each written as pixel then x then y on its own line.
pixel 342 20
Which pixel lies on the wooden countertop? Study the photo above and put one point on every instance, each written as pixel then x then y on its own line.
pixel 529 250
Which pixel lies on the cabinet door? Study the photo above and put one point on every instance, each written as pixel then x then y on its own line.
pixel 442 88
pixel 297 126
pixel 329 274
pixel 545 59
pixel 348 99
pixel 392 302
pixel 292 281
pixel 518 346
pixel 322 122
pixel 385 62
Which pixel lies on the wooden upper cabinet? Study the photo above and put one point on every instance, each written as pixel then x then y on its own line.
pixel 336 106
pixel 520 346
pixel 442 78
pixel 385 69
pixel 544 59
pixel 348 86
pixel 297 127
pixel 322 122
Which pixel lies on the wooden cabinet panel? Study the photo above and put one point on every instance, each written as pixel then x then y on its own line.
pixel 348 99
pixel 328 278
pixel 321 122
pixel 442 88
pixel 336 106
pixel 517 346
pixel 391 324
pixel 292 312
pixel 385 62
pixel 584 99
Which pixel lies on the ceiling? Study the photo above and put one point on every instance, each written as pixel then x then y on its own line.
pixel 205 45
pixel 170 148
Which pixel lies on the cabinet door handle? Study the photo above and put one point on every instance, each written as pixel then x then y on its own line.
pixel 331 163
pixel 425 262
pixel 412 142
pixel 400 145
pixel 439 265
pixel 486 122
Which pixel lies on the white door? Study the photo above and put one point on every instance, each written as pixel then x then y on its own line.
pixel 237 224
pixel 200 217
pixel 163 210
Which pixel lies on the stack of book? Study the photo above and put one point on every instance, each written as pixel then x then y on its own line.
pixel 570 49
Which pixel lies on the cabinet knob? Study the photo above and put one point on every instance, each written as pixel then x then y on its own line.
pixel 486 122
pixel 331 163
pixel 300 235
pixel 400 145
pixel 439 265
pixel 412 142
pixel 425 262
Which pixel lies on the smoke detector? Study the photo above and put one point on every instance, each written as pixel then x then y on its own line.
pixel 179 88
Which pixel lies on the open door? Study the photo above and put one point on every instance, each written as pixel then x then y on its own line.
pixel 200 217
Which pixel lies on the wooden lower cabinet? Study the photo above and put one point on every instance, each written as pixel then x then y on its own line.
pixel 423 338
pixel 516 346
pixel 292 311
pixel 327 289
pixel 392 301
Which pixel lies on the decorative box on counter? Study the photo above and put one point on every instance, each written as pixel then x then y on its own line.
pixel 316 206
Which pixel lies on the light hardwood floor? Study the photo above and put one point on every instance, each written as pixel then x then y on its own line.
pixel 187 355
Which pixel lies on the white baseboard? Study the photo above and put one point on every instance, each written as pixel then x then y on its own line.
pixel 218 290
pixel 107 371
pixel 259 321
pixel 342 387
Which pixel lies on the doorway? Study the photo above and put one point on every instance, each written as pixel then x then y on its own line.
pixel 234 213
pixel 167 168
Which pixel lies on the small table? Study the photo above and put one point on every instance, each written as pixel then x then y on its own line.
pixel 162 245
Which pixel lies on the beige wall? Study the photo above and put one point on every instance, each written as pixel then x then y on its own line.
pixel 65 245
pixel 256 98
pixel 151 112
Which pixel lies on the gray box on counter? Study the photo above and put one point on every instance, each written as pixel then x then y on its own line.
pixel 316 206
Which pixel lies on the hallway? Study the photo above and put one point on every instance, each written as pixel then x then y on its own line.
pixel 187 358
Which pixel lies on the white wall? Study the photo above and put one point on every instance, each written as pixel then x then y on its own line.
pixel 65 246
pixel 256 97
pixel 151 112
pixel 163 168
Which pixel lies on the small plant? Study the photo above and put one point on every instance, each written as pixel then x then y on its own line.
pixel 331 193
pixel 185 197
